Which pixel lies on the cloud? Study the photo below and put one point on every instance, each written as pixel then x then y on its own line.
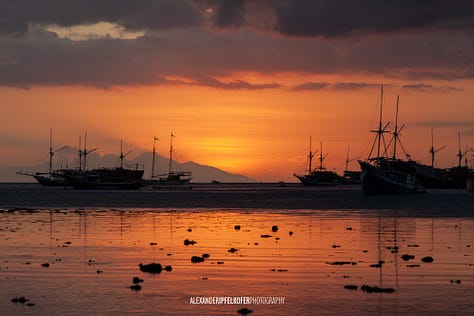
pixel 310 86
pixel 239 84
pixel 17 17
pixel 429 87
pixel 179 39
pixel 341 18
pixel 355 85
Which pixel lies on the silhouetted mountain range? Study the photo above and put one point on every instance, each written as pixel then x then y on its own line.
pixel 68 158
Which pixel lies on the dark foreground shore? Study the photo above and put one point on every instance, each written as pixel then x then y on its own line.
pixel 246 196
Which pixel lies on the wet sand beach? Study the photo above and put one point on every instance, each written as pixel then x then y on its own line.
pixel 270 249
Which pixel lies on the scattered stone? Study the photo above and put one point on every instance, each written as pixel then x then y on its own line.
pixel 136 287
pixel 99 271
pixel 46 265
pixel 237 227
pixel 376 289
pixel 345 277
pixel 206 255
pixel 153 244
pixel 68 243
pixel 20 300
pixel 196 259
pixel 427 259
pixel 220 262
pixel 348 228
pixel 413 265
pixel 377 265
pixel 188 242
pixel 190 230
pixel 365 251
pixel 244 311
pixel 414 245
pixel 407 257
pixel 266 236
pixel 351 287
pixel 340 263
pixel 455 281
pixel 168 268
pixel 274 228
pixel 151 267
pixel 336 246
pixel 232 250
pixel 290 233
pixel 136 280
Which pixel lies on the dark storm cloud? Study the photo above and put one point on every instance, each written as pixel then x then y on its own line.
pixel 178 42
pixel 16 17
pixel 230 13
pixel 340 18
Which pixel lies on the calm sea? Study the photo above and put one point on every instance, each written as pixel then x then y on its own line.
pixel 78 259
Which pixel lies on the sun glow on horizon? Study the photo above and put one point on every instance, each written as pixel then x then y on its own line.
pixel 262 133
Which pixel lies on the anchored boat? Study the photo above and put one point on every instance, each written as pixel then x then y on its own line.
pixel 319 176
pixel 382 174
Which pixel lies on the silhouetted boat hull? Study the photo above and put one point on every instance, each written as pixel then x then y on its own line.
pixel 51 180
pixel 319 178
pixel 114 178
pixel 470 181
pixel 377 180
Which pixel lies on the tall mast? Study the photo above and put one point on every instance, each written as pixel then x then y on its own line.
pixel 153 159
pixel 380 131
pixel 459 152
pixel 347 159
pixel 84 152
pixel 321 155
pixel 171 152
pixel 51 153
pixel 432 150
pixel 395 132
pixel 310 156
pixel 121 154
pixel 80 154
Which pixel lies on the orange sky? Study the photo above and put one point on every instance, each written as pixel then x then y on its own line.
pixel 242 84
pixel 262 134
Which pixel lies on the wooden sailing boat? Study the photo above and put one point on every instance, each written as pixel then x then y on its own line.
pixel 172 179
pixel 52 177
pixel 105 178
pixel 319 176
pixel 382 174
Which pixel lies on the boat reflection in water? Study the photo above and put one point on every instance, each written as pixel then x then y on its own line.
pixel 308 254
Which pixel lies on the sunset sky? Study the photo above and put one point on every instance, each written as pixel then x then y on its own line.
pixel 242 84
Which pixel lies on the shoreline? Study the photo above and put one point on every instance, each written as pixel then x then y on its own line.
pixel 446 202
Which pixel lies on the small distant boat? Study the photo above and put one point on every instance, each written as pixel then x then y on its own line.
pixel 350 176
pixel 387 175
pixel 53 178
pixel 319 176
pixel 173 179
